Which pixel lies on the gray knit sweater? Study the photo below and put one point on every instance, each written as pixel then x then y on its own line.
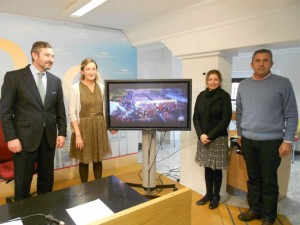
pixel 266 109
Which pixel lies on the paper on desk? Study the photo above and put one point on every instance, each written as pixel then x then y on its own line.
pixel 17 222
pixel 89 212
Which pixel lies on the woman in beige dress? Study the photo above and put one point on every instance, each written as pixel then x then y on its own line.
pixel 89 139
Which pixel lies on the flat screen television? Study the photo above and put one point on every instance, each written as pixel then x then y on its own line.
pixel 148 104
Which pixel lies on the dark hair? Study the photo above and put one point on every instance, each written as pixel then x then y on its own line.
pixel 263 51
pixel 84 64
pixel 38 45
pixel 217 72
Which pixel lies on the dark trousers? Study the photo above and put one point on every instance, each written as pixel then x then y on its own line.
pixel 262 161
pixel 24 167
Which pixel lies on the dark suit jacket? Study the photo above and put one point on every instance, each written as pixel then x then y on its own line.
pixel 23 114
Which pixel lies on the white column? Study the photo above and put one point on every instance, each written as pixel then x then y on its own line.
pixel 194 67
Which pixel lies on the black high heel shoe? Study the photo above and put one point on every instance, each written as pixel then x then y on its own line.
pixel 203 200
pixel 214 202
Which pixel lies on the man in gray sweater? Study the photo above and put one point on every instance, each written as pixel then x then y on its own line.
pixel 267 118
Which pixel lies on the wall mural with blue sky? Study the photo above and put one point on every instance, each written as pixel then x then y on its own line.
pixel 111 49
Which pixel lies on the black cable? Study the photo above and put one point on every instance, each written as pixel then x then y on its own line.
pixel 139 174
pixel 169 156
pixel 159 147
pixel 158 180
pixel 170 172
pixel 174 170
pixel 174 176
pixel 25 217
pixel 154 160
pixel 149 151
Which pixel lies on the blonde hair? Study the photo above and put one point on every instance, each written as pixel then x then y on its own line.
pixel 84 63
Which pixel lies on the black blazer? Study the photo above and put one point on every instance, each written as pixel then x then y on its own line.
pixel 212 113
pixel 23 114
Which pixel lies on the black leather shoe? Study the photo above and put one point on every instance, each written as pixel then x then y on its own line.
pixel 203 200
pixel 249 215
pixel 266 223
pixel 214 203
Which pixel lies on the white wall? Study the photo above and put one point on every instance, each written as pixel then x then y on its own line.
pixel 155 61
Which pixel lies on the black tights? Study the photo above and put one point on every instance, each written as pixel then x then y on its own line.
pixel 84 171
pixel 213 181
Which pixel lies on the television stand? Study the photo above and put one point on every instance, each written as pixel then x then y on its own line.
pixel 149 165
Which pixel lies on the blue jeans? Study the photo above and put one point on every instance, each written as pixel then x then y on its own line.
pixel 262 161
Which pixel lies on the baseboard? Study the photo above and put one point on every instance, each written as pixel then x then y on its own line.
pixel 235 191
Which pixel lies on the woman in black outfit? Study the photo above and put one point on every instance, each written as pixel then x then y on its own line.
pixel 212 115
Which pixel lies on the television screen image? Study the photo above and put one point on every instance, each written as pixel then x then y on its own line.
pixel 148 104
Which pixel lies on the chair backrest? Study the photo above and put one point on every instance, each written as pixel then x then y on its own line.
pixel 5 154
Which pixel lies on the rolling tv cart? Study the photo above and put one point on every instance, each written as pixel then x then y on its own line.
pixel 149 165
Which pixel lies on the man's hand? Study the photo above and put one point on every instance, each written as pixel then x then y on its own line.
pixel 239 141
pixel 285 149
pixel 60 141
pixel 14 146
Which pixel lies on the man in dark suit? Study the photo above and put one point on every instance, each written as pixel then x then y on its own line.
pixel 34 120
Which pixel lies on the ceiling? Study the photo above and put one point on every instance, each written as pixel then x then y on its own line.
pixel 126 14
pixel 115 14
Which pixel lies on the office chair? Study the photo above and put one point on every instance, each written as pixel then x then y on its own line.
pixel 6 163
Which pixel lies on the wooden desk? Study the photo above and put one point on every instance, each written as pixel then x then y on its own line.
pixel 236 172
pixel 237 175
pixel 114 193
